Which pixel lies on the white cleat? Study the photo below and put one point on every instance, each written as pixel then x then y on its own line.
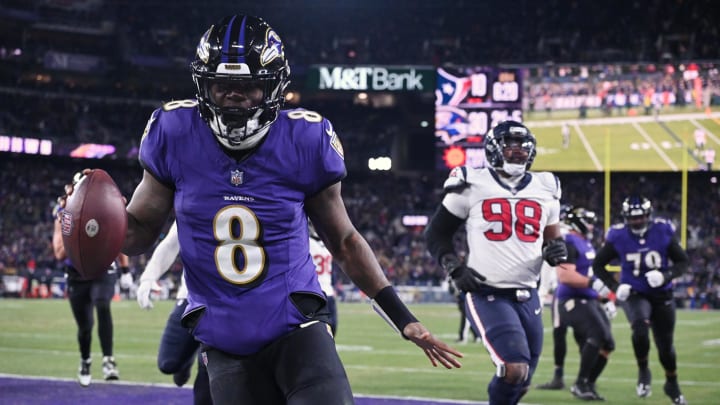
pixel 84 376
pixel 110 371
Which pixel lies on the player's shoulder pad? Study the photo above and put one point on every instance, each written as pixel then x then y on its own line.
pixel 179 104
pixel 457 179
pixel 309 126
pixel 664 224
pixel 304 118
pixel 550 182
pixel 613 230
pixel 169 112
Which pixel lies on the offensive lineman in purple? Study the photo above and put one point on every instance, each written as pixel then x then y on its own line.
pixel 646 247
pixel 654 244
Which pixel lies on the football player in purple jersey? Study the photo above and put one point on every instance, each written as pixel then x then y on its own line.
pixel 548 280
pixel 578 305
pixel 650 258
pixel 512 219
pixel 243 178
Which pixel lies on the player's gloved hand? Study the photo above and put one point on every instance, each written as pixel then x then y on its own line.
pixel 465 278
pixel 623 292
pixel 655 278
pixel 598 285
pixel 69 188
pixel 126 281
pixel 610 309
pixel 143 294
pixel 555 252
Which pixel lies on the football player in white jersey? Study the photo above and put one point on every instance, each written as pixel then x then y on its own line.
pixel 511 218
pixel 324 266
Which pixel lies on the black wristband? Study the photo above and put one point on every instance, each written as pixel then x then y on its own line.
pixel 124 269
pixel 395 309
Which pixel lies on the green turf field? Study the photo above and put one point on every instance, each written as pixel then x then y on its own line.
pixel 637 143
pixel 37 337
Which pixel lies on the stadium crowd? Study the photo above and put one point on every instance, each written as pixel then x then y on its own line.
pixel 75 71
pixel 400 32
pixel 92 71
pixel 377 204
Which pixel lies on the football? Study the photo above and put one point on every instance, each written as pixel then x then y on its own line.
pixel 94 224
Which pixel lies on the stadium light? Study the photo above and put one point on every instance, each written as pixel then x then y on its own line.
pixel 382 163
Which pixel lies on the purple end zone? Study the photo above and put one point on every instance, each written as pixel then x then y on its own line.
pixel 18 391
pixel 32 390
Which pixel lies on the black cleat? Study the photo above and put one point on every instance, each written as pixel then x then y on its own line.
pixel 672 389
pixel 584 391
pixel 555 384
pixel 643 386
pixel 598 397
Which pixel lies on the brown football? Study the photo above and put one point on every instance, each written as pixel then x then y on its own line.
pixel 94 224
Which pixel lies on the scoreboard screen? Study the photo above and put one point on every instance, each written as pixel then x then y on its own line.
pixel 469 101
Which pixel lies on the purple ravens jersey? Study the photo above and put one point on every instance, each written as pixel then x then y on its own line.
pixel 241 224
pixel 638 255
pixel 583 261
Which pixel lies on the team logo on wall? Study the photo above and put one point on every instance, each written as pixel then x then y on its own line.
pixel 236 177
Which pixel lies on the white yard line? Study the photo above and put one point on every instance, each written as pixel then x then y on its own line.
pixel 588 148
pixel 655 146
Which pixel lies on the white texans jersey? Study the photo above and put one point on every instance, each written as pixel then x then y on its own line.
pixel 504 224
pixel 323 265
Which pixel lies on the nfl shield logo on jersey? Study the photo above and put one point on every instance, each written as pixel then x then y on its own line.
pixel 236 177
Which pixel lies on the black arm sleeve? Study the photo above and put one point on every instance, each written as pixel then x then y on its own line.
pixel 439 232
pixel 602 257
pixel 680 260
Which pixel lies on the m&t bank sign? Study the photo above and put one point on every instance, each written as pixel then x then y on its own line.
pixel 371 78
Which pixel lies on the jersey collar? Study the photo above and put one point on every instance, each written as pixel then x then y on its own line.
pixel 521 185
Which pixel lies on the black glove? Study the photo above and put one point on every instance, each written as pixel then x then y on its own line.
pixel 555 252
pixel 465 278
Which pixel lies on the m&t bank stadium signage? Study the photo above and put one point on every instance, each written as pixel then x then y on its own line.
pixel 371 78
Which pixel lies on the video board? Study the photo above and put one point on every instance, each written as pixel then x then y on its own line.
pixel 469 101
